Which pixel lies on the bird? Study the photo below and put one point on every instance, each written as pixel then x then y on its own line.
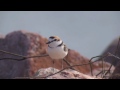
pixel 57 49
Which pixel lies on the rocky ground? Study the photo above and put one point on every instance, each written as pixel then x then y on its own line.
pixel 31 44
pixel 48 73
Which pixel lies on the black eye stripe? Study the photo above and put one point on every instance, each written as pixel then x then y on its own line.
pixel 53 40
pixel 60 44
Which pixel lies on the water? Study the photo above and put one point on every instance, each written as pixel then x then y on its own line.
pixel 88 32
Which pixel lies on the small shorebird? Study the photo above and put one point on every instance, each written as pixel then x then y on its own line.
pixel 57 49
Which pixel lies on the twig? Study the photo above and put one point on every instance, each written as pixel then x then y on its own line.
pixel 13 59
pixel 68 68
pixel 91 65
pixel 23 57
pixel 90 61
pixel 96 60
pixel 114 56
pixel 62 70
pixel 68 64
pixel 110 54
pixel 100 73
pixel 12 53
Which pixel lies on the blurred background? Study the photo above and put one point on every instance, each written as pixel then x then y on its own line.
pixel 88 32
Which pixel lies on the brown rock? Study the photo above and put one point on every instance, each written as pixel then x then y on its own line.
pixel 31 44
pixel 112 48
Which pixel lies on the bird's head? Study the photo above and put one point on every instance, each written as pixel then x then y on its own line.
pixel 54 41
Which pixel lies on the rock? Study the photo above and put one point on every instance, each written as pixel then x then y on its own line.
pixel 19 42
pixel 47 73
pixel 112 48
pixel 115 74
pixel 31 44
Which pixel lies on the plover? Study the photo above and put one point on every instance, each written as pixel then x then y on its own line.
pixel 57 49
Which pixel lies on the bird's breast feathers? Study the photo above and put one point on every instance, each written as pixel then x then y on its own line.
pixel 57 52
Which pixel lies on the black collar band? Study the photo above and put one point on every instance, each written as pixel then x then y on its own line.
pixel 57 46
pixel 60 44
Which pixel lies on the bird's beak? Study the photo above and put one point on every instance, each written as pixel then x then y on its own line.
pixel 48 42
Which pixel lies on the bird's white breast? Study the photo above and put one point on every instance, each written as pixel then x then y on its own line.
pixel 56 52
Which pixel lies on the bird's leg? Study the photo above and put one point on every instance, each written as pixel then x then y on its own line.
pixel 62 63
pixel 68 64
pixel 53 65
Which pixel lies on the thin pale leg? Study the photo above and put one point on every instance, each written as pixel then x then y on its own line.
pixel 53 65
pixel 62 63
pixel 68 64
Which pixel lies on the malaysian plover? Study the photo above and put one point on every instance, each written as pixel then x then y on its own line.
pixel 57 49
